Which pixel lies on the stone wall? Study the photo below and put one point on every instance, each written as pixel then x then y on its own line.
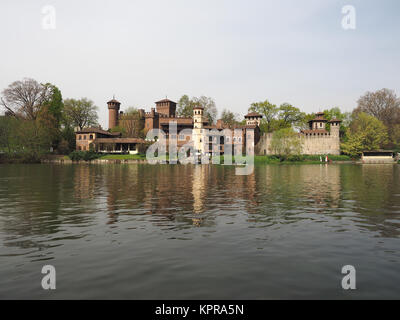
pixel 311 144
pixel 320 144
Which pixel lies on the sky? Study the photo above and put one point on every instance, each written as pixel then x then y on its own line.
pixel 235 51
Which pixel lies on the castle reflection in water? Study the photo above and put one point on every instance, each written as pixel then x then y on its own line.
pixel 195 195
pixel 182 197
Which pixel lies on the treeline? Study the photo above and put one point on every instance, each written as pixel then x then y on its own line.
pixel 37 121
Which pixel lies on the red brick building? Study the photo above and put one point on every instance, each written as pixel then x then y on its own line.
pixel 212 138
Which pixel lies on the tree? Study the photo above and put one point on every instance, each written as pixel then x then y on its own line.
pixel 290 116
pixel 385 106
pixel 131 124
pixel 54 103
pixel 229 118
pixel 80 113
pixel 365 133
pixel 25 98
pixel 7 133
pixel 185 107
pixel 336 113
pixel 269 112
pixel 382 104
pixel 285 142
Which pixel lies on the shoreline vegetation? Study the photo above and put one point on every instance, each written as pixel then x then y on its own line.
pixel 92 157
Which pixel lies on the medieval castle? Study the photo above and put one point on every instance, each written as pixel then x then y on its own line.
pixel 206 138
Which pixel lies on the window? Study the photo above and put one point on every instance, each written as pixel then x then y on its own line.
pixel 210 139
pixel 181 137
pixel 80 138
pixel 84 137
pixel 91 137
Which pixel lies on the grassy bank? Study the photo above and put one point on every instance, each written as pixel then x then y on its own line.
pixel 123 157
pixel 309 159
pixel 88 156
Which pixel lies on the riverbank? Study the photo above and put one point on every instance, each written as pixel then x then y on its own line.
pixel 141 158
pixel 93 158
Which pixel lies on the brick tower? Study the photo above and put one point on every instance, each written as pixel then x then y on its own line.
pixel 113 112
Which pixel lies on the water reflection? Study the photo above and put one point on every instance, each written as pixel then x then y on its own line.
pixel 38 201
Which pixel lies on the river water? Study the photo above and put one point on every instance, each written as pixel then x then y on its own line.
pixel 128 231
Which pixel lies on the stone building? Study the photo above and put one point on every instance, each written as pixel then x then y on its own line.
pixel 316 140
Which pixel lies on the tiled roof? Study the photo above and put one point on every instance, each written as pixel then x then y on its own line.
pixel 119 140
pixel 97 130
pixel 113 101
pixel 253 114
pixel 177 120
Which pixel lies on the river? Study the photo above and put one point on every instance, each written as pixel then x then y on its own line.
pixel 138 231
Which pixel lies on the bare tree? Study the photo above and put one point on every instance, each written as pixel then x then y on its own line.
pixel 131 122
pixel 382 104
pixel 25 98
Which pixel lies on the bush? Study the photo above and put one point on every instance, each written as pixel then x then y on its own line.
pixel 22 157
pixel 295 158
pixel 84 155
pixel 63 147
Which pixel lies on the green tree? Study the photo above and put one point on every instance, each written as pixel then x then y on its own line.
pixel 269 112
pixel 285 142
pixel 290 116
pixel 80 113
pixel 336 113
pixel 186 104
pixel 54 103
pixel 229 118
pixel 7 133
pixel 365 133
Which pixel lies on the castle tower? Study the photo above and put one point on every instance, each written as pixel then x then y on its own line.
pixel 253 119
pixel 319 122
pixel 335 127
pixel 198 134
pixel 166 107
pixel 113 111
